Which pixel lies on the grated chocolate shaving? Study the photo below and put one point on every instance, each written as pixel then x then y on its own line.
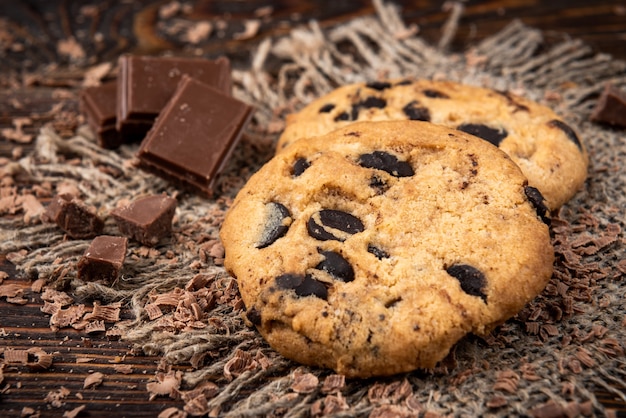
pixel 92 380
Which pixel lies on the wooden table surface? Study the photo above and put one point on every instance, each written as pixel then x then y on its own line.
pixel 39 25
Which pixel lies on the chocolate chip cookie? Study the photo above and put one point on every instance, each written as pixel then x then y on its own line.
pixel 373 249
pixel 548 151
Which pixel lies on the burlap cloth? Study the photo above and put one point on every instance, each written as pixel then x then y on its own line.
pixel 547 361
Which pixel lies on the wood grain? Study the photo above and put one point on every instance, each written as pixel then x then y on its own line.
pixel 33 71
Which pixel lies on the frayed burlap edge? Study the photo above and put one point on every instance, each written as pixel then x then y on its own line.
pixel 555 354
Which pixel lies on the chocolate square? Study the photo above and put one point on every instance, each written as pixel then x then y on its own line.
pixel 194 135
pixel 611 107
pixel 145 84
pixel 147 219
pixel 73 216
pixel 99 105
pixel 104 259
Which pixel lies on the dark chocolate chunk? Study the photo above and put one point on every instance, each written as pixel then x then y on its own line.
pixel 194 135
pixel 99 105
pixel 378 253
pixel 384 161
pixel 435 94
pixel 254 316
pixel 146 83
pixel 302 285
pixel 329 224
pixel 74 217
pixel 104 259
pixel 569 132
pixel 472 280
pixel 404 82
pixel 276 224
pixel 414 111
pixel 300 166
pixel 337 266
pixel 147 219
pixel 611 107
pixel 326 108
pixel 537 200
pixel 378 85
pixel 342 116
pixel 489 134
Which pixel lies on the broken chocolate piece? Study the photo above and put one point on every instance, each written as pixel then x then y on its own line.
pixel 611 107
pixel 489 134
pixel 145 84
pixel 99 105
pixel 74 217
pixel 329 224
pixel 147 219
pixel 389 163
pixel 471 279
pixel 104 259
pixel 194 135
pixel 277 224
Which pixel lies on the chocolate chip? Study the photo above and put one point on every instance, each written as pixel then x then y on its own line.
pixel 368 103
pixel 254 316
pixel 384 161
pixel 378 85
pixel 404 83
pixel 380 254
pixel 435 94
pixel 276 224
pixel 379 184
pixel 342 116
pixel 416 112
pixel 536 199
pixel 328 224
pixel 569 132
pixel 373 102
pixel 326 108
pixel 337 266
pixel 510 98
pixel 302 285
pixel 289 280
pixel 300 166
pixel 471 279
pixel 492 135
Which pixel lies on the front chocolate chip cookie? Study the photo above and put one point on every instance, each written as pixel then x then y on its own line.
pixel 377 277
pixel 548 151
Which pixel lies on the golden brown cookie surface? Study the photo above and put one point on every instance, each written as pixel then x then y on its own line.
pixel 374 249
pixel 547 150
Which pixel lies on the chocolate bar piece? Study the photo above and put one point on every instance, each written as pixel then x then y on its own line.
pixel 145 84
pixel 99 105
pixel 147 219
pixel 73 216
pixel 611 107
pixel 194 135
pixel 104 259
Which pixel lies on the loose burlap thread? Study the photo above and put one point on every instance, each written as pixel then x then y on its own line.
pixel 542 358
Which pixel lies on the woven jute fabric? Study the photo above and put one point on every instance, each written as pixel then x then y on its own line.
pixel 547 361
